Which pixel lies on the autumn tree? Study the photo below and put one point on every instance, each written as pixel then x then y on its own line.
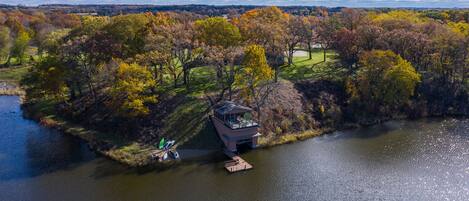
pixel 52 41
pixel 384 80
pixel 5 41
pixel 19 46
pixel 266 27
pixel 130 92
pixel 47 79
pixel 327 29
pixel 351 18
pixel 309 33
pixel 254 77
pixel 126 33
pixel 369 36
pixel 346 43
pixel 217 31
pixel 413 46
pixel 186 48
pixel 221 40
pixel 295 28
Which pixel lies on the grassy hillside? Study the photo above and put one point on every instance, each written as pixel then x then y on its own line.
pixel 13 74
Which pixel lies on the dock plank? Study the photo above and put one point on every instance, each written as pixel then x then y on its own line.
pixel 237 164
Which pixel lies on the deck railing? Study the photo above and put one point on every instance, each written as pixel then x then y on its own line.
pixel 241 124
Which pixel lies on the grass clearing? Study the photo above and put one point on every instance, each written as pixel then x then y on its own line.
pixel 13 74
pixel 315 68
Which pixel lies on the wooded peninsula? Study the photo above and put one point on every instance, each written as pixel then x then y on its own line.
pixel 123 81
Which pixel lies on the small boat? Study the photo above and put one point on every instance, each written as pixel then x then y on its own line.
pixel 174 154
pixel 161 144
pixel 169 144
pixel 165 156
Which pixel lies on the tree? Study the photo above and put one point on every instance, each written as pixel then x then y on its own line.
pixel 460 27
pixel 383 80
pixel 127 34
pixel 46 79
pixel 5 41
pixel 266 27
pixel 217 31
pixel 19 46
pixel 52 41
pixel 346 43
pixel 368 36
pixel 309 33
pixel 351 18
pixel 129 93
pixel 221 40
pixel 296 26
pixel 254 76
pixel 326 32
pixel 398 19
pixel 186 49
pixel 412 46
pixel 224 60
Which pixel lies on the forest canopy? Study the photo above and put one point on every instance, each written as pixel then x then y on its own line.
pixel 124 66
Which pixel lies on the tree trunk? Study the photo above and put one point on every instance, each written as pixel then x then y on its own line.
pixel 93 92
pixel 185 76
pixel 325 52
pixel 80 91
pixel 310 51
pixel 277 71
pixel 160 79
pixel 8 61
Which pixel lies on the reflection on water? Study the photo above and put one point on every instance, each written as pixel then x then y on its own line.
pixel 28 150
pixel 399 160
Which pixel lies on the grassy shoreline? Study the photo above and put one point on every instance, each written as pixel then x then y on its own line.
pixel 9 81
pixel 134 154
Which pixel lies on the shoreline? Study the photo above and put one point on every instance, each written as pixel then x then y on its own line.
pixel 135 154
pixel 11 88
pixel 140 154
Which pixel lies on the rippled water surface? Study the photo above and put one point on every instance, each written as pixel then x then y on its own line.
pixel 399 160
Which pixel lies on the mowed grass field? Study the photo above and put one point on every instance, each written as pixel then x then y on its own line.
pixel 13 74
pixel 315 68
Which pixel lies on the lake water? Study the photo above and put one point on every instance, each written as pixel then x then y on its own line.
pixel 399 160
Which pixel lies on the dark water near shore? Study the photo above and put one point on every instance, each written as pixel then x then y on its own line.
pixel 399 160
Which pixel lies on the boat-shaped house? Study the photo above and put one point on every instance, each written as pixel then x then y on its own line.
pixel 235 125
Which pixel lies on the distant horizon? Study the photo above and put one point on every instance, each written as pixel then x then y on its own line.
pixel 323 3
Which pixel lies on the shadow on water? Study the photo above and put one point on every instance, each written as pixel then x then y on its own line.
pixel 45 153
pixel 29 150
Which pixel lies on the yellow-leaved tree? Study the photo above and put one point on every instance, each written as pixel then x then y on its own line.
pixel 254 76
pixel 131 91
pixel 384 79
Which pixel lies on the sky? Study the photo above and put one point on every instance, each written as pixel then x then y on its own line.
pixel 328 3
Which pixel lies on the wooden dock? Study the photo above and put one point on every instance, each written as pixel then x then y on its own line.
pixel 236 164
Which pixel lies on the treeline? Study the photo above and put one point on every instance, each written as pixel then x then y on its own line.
pixel 208 10
pixel 126 63
pixel 20 30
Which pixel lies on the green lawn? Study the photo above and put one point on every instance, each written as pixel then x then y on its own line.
pixel 315 68
pixel 202 79
pixel 13 74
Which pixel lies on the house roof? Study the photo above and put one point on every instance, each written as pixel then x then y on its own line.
pixel 229 107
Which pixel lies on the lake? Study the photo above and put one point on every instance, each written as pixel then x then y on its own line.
pixel 426 159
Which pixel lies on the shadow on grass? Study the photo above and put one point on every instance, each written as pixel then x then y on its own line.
pixel 190 126
pixel 316 71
